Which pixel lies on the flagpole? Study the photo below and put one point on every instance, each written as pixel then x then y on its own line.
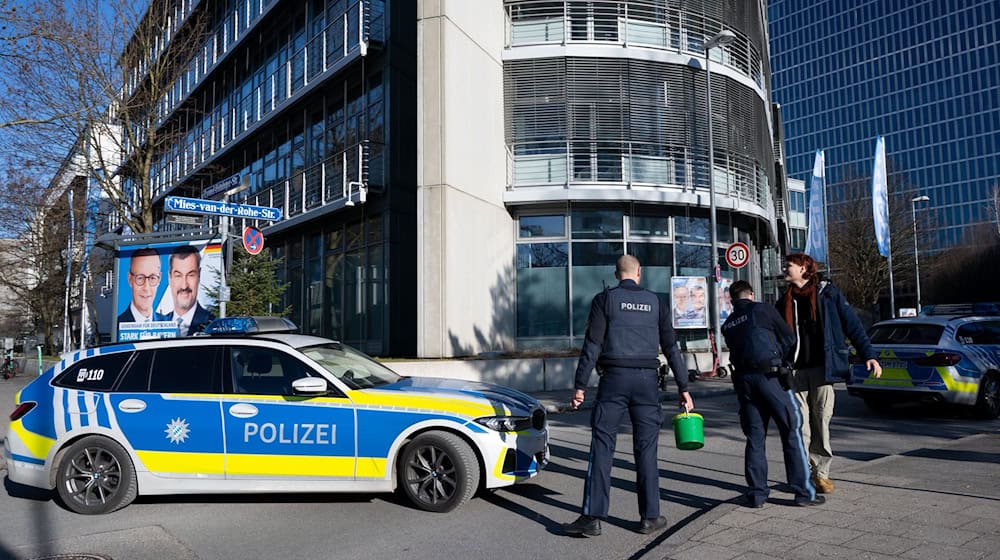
pixel 892 295
pixel 67 331
pixel 826 231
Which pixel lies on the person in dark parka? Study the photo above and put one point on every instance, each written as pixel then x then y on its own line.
pixel 758 339
pixel 820 316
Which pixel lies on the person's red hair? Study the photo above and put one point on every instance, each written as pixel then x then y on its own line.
pixel 806 262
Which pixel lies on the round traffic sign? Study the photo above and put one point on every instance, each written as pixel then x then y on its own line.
pixel 737 255
pixel 253 240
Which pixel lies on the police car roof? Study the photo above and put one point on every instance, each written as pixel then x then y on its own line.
pixel 928 320
pixel 981 309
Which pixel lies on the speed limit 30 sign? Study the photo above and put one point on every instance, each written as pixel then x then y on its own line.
pixel 737 255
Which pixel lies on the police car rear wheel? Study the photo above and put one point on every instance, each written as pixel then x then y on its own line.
pixel 988 402
pixel 438 471
pixel 96 476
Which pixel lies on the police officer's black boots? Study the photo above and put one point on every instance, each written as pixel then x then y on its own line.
pixel 818 500
pixel 584 525
pixel 647 526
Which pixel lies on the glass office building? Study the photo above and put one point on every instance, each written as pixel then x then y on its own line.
pixel 295 98
pixel 924 74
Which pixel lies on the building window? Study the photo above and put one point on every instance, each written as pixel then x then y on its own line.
pixel 558 276
pixel 593 270
pixel 542 289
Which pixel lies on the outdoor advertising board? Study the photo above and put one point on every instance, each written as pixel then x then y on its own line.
pixel 161 289
pixel 689 302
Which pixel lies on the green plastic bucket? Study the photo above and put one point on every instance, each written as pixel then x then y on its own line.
pixel 689 430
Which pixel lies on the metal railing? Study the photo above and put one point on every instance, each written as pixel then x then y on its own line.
pixel 325 182
pixel 622 165
pixel 638 23
pixel 345 38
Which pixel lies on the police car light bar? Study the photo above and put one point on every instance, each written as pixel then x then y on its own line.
pixel 250 325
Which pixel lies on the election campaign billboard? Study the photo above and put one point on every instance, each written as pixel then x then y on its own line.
pixel 161 289
pixel 689 302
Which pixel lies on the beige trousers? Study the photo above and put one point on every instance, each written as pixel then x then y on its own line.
pixel 815 398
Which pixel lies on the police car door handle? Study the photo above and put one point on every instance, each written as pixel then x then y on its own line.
pixel 132 405
pixel 243 410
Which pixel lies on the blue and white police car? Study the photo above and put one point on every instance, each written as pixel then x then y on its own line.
pixel 949 353
pixel 255 408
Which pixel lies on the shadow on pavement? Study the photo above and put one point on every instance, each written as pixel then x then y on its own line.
pixel 16 490
pixel 861 455
pixel 955 455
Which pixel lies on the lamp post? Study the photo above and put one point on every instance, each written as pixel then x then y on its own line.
pixel 722 38
pixel 227 242
pixel 916 258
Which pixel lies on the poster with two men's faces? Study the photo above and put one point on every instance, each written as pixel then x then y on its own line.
pixel 161 289
pixel 689 301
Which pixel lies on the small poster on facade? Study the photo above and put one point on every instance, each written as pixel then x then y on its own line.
pixel 689 302
pixel 725 300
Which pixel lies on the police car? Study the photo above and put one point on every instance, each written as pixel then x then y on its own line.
pixel 950 353
pixel 254 408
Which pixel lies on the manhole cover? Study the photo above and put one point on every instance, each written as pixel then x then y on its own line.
pixel 78 556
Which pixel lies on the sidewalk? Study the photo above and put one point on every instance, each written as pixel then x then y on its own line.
pixel 938 504
pixel 933 504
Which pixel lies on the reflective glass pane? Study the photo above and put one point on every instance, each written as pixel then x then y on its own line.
pixel 334 282
pixel 656 265
pixel 692 229
pixel 593 269
pixel 542 289
pixel 693 260
pixel 542 226
pixel 649 226
pixel 354 304
pixel 597 224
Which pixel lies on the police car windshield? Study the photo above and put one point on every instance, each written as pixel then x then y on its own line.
pixel 355 369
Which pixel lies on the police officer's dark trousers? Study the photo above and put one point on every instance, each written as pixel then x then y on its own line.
pixel 762 399
pixel 634 391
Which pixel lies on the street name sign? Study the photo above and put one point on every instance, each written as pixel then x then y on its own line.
pixel 221 187
pixel 183 205
pixel 185 219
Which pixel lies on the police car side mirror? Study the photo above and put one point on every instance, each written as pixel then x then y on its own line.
pixel 310 386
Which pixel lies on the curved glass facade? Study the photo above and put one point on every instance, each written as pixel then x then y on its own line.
pixel 606 119
pixel 565 256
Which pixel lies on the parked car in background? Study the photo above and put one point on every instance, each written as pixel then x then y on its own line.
pixel 948 353
pixel 251 408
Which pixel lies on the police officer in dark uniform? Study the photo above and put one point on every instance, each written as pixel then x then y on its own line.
pixel 759 341
pixel 626 328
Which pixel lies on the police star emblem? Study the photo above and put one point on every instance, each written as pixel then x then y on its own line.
pixel 177 431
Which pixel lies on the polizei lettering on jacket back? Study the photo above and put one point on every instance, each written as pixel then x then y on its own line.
pixel 633 335
pixel 305 434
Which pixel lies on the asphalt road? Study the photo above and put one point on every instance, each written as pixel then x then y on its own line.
pixel 518 522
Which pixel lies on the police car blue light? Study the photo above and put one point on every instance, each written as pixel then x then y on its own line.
pixel 249 325
pixel 265 412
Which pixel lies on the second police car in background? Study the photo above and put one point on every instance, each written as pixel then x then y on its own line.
pixel 267 412
pixel 949 353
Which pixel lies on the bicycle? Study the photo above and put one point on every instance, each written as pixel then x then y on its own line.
pixel 9 368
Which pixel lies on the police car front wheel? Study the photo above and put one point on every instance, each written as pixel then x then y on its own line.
pixel 95 476
pixel 438 471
